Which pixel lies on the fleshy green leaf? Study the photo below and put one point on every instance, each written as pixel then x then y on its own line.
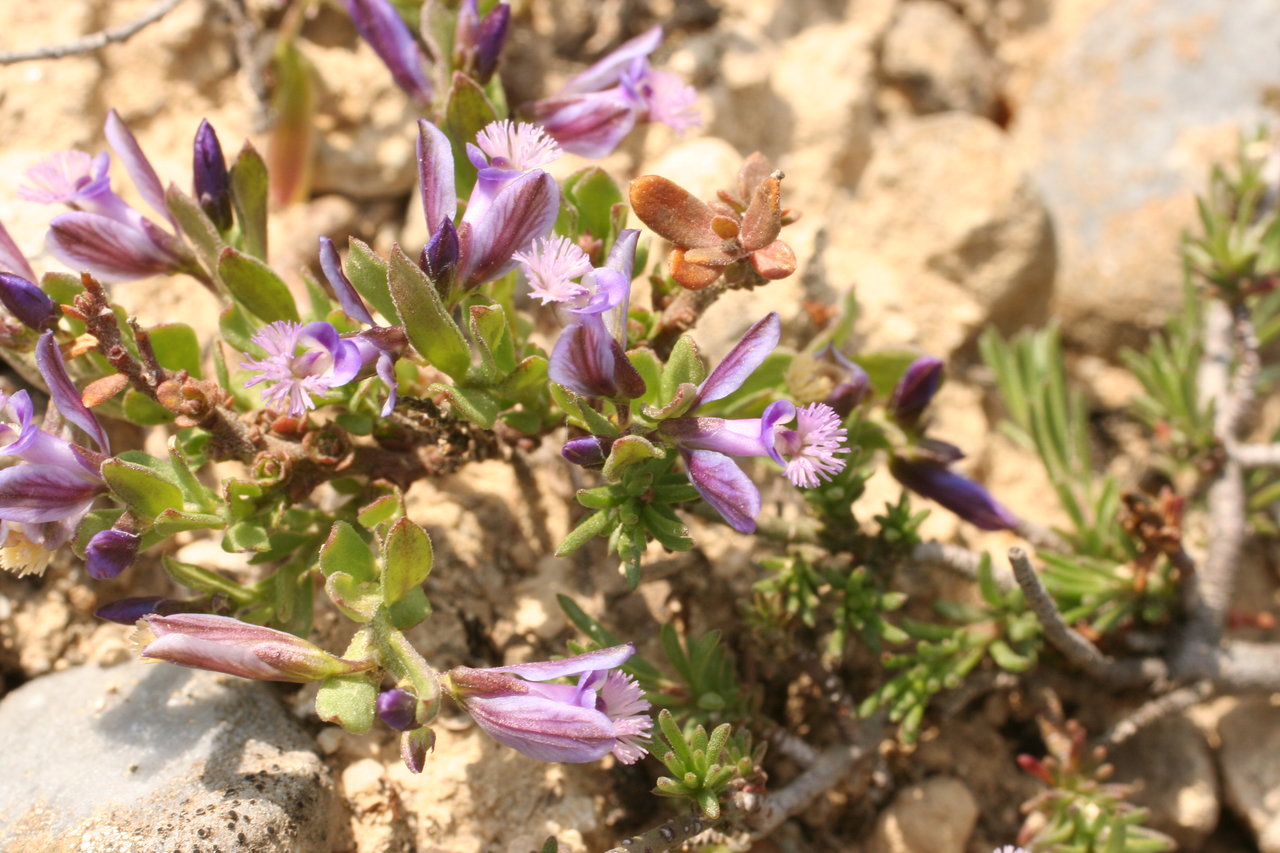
pixel 368 275
pixel 176 347
pixel 249 197
pixel 475 404
pixel 144 491
pixel 349 701
pixel 406 560
pixel 427 323
pixel 256 286
pixel 346 551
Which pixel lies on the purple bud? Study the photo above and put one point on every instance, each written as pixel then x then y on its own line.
pixel 223 644
pixel 24 300
pixel 914 390
pixel 478 43
pixel 414 746
pixel 440 256
pixel 962 496
pixel 379 24
pixel 110 552
pixel 588 451
pixel 127 611
pixel 398 709
pixel 211 182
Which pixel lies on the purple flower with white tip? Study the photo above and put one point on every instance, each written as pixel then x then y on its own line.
pixel 381 26
pixel 303 361
pixel 600 106
pixel 226 645
pixel 589 357
pixel 551 265
pixel 513 203
pixel 43 499
pixel 103 234
pixel 603 712
pixel 809 452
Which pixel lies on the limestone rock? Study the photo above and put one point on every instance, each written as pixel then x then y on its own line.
pixel 145 759
pixel 1250 735
pixel 1177 779
pixel 933 57
pixel 1121 131
pixel 948 229
pixel 935 816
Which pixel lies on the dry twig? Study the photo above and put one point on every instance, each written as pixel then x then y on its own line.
pixel 93 41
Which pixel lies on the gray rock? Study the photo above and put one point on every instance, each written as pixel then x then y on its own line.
pixel 1173 767
pixel 139 758
pixel 935 816
pixel 1250 735
pixel 933 56
pixel 1122 128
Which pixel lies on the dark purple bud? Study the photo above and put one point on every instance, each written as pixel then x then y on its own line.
pixel 489 39
pixel 914 390
pixel 110 552
pixel 212 184
pixel 24 300
pixel 962 496
pixel 398 709
pixel 440 256
pixel 126 611
pixel 588 451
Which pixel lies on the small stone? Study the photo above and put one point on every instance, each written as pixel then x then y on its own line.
pixel 1176 779
pixel 1250 735
pixel 146 759
pixel 935 816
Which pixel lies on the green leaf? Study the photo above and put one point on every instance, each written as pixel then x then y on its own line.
pixel 406 560
pixel 489 329
pixel 628 451
pixel 256 287
pixel 349 701
pixel 527 382
pixel 196 227
pixel 359 601
pixel 368 275
pixel 176 347
pixel 346 551
pixel 248 535
pixel 410 610
pixel 144 491
pixel 140 409
pixel 475 404
pixel 249 197
pixel 200 579
pixel 427 323
pixel 593 194
pixel 646 363
pixel 684 365
pixel 596 524
pixel 380 511
pixel 885 367
pixel 172 521
pixel 467 110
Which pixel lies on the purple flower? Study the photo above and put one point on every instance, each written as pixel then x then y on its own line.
pixel 933 479
pixel 551 265
pixel 43 498
pixel 589 357
pixel 379 24
pixel 514 202
pixel 110 552
pixel 11 259
pixel 302 361
pixel 103 234
pixel 598 107
pixel 24 300
pixel 223 644
pixel 809 452
pixel 127 611
pixel 574 723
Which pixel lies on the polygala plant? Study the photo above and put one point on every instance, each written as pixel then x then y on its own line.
pixel 543 311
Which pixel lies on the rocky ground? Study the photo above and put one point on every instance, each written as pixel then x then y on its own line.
pixel 960 164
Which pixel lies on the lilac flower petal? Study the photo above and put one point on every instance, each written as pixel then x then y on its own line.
pixel 723 485
pixel 777 412
pixel 608 70
pixel 11 259
pixel 544 729
pixel 584 357
pixel 379 24
pixel 34 493
pixel 24 300
pixel 65 395
pixel 961 495
pixel 436 176
pixel 609 658
pixel 525 209
pixel 386 368
pixel 743 437
pixel 110 552
pixel 140 170
pixel 331 265
pixel 742 360
pixel 111 250
pixel 590 125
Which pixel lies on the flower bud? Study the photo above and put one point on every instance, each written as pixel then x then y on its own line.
pixel 414 746
pixel 127 611
pixel 588 451
pixel 962 496
pixel 24 300
pixel 398 709
pixel 110 552
pixel 223 644
pixel 212 183
pixel 914 390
